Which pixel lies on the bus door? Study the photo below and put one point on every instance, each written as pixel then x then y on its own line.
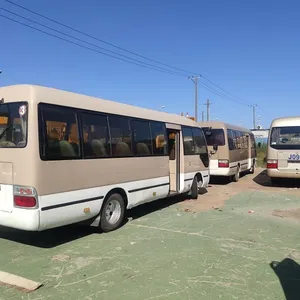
pixel 174 159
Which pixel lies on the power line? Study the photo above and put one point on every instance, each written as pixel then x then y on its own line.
pixel 97 39
pixel 134 61
pixel 91 49
pixel 94 45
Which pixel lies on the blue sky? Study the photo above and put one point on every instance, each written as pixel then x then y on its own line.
pixel 249 48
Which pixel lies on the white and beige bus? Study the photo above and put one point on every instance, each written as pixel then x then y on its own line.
pixel 68 158
pixel 232 149
pixel 283 154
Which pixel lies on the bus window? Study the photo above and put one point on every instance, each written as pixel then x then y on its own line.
pixel 61 133
pixel 120 136
pixel 13 126
pixel 158 133
pixel 214 136
pixel 285 137
pixel 141 137
pixel 96 141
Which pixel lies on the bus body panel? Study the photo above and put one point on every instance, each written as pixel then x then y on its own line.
pixel 70 191
pixel 242 157
pixel 284 148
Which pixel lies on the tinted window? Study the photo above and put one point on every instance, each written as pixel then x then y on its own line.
pixel 285 137
pixel 120 136
pixel 96 141
pixel 200 145
pixel 60 138
pixel 199 141
pixel 141 136
pixel 158 133
pixel 13 125
pixel 231 143
pixel 188 142
pixel 214 136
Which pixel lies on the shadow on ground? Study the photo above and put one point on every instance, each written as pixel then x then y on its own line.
pixel 263 180
pixel 62 235
pixel 288 272
pixel 224 180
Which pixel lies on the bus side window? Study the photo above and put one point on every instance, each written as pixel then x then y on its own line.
pixel 141 137
pixel 230 139
pixel 120 136
pixel 158 135
pixel 61 132
pixel 96 141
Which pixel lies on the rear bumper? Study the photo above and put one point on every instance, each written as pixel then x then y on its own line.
pixel 223 172
pixel 282 174
pixel 23 219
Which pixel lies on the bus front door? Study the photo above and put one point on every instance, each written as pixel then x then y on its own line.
pixel 174 159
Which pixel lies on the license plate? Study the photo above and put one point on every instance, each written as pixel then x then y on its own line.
pixel 294 157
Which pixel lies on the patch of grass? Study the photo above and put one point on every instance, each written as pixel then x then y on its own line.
pixel 262 156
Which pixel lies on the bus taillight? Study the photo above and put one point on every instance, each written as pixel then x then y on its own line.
pixel 25 197
pixel 224 163
pixel 23 201
pixel 272 164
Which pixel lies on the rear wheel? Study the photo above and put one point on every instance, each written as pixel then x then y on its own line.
pixel 112 213
pixel 236 176
pixel 194 189
pixel 252 169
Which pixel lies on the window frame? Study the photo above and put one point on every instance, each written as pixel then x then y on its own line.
pixel 42 128
pixel 78 112
pixel 8 119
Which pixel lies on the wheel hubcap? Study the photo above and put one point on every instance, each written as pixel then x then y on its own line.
pixel 113 212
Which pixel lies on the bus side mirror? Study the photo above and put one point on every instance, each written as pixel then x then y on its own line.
pixel 215 147
pixel 259 144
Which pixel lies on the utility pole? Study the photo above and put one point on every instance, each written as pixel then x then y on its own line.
pixel 208 103
pixel 202 116
pixel 195 81
pixel 254 116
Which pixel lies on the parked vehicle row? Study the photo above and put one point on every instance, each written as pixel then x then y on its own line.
pixel 69 158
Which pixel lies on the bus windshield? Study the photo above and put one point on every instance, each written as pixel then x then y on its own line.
pixel 285 137
pixel 214 136
pixel 13 125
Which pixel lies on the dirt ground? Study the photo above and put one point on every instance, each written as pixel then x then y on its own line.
pixel 236 241
pixel 222 189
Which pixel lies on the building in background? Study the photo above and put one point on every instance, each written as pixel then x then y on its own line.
pixel 261 135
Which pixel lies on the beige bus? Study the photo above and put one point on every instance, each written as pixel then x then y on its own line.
pixel 67 158
pixel 283 154
pixel 232 149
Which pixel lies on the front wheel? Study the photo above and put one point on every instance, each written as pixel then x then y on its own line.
pixel 112 213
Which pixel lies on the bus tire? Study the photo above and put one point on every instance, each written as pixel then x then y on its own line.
pixel 252 169
pixel 236 176
pixel 112 213
pixel 194 189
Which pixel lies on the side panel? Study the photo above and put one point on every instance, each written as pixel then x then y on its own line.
pixel 72 207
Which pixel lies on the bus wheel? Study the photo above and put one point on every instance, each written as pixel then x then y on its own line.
pixel 252 169
pixel 113 212
pixel 236 176
pixel 194 189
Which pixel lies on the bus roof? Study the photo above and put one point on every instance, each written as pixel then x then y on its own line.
pixel 219 124
pixel 36 94
pixel 287 121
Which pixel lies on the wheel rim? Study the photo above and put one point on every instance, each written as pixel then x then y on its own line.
pixel 113 211
pixel 199 184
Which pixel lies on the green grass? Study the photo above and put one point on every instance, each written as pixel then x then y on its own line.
pixel 261 156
